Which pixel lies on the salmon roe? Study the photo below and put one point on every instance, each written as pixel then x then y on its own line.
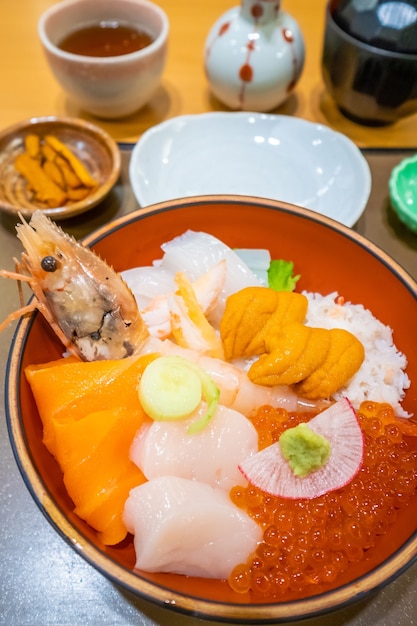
pixel 308 543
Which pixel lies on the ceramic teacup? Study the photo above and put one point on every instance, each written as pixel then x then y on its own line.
pixel 112 86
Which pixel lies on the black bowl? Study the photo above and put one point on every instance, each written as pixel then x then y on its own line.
pixel 372 83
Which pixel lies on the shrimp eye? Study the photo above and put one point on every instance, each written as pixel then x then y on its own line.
pixel 49 264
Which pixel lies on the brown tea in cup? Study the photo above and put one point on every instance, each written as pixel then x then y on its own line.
pixel 105 39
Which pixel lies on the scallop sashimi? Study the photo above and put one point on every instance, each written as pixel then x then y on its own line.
pixel 187 527
pixel 272 471
pixel 211 456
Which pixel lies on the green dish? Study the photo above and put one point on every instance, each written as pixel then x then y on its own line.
pixel 403 191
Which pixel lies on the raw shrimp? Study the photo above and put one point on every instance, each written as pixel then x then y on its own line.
pixel 86 303
pixel 95 315
pixel 160 286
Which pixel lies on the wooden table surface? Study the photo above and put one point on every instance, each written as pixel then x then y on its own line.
pixel 27 87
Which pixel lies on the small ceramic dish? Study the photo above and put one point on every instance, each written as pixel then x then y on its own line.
pixel 96 150
pixel 269 156
pixel 403 191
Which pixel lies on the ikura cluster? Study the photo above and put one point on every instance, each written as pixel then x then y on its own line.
pixel 307 543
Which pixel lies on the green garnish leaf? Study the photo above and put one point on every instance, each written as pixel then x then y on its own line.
pixel 280 275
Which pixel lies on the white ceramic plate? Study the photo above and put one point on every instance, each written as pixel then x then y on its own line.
pixel 270 156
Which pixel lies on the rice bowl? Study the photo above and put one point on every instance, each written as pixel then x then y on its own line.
pixel 289 232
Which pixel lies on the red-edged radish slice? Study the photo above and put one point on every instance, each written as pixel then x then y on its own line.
pixel 270 471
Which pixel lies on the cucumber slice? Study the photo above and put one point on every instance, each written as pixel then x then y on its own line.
pixel 171 388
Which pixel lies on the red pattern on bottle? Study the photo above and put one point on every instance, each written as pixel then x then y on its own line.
pixel 224 28
pixel 288 35
pixel 246 71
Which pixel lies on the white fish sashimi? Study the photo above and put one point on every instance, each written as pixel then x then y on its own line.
pixel 209 286
pixel 211 456
pixel 187 527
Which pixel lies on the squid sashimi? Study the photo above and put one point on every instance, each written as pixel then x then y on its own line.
pixel 212 267
pixel 211 455
pixel 187 527
pixel 196 252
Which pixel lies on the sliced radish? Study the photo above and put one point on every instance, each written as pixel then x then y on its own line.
pixel 270 471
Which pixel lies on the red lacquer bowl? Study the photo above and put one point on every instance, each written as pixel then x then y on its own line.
pixel 329 257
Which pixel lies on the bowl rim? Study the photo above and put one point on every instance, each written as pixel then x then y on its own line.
pixel 264 613
pixel 155 45
pixel 81 126
pixel 366 47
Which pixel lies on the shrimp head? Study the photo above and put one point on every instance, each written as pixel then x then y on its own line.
pixel 86 302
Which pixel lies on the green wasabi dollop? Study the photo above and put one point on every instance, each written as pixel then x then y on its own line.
pixel 304 449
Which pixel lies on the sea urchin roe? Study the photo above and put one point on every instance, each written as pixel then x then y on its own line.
pixel 307 544
pixel 54 174
pixel 304 449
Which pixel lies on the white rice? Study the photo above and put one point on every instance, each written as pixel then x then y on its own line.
pixel 381 377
